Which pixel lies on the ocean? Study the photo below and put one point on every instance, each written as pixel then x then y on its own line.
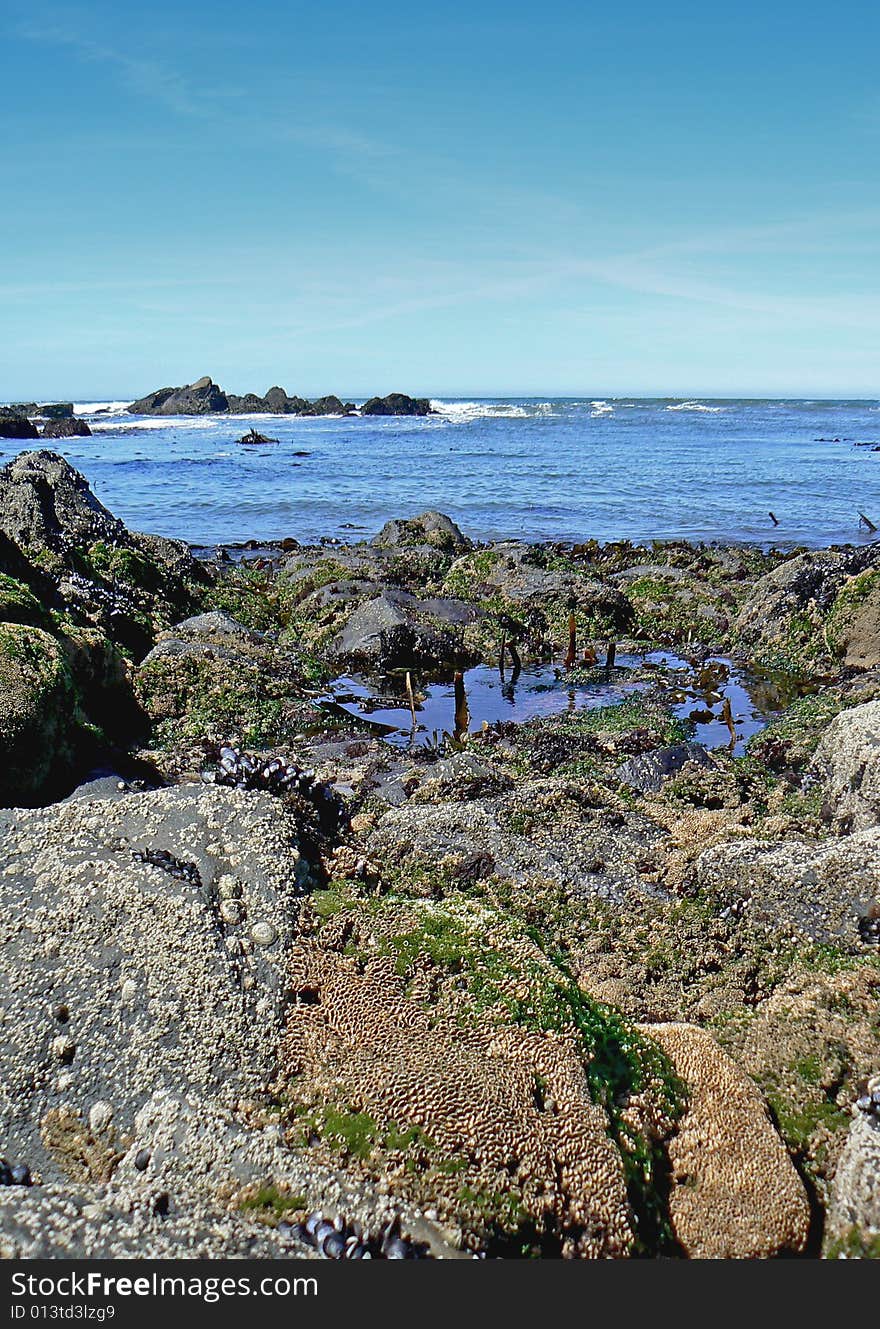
pixel 573 469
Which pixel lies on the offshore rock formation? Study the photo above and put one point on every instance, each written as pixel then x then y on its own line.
pixel 204 397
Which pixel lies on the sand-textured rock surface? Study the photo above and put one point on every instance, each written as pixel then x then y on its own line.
pixel 735 1194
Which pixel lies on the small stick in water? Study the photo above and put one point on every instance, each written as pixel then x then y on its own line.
pixel 462 715
pixel 572 642
pixel 412 700
pixel 610 657
pixel 501 655
pixel 514 655
pixel 867 520
pixel 773 517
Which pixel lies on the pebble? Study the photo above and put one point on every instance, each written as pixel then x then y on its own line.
pixel 100 1115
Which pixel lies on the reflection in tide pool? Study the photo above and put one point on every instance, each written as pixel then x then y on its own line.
pixel 712 695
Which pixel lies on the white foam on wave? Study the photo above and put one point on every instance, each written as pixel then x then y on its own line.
pixel 695 406
pixel 104 407
pixel 460 411
pixel 137 423
pixel 601 408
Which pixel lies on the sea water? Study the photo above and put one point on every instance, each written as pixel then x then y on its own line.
pixel 571 469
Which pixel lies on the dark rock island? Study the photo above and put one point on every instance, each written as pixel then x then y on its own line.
pixel 204 397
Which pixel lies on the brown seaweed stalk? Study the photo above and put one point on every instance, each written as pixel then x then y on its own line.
pixel 572 642
pixel 462 714
pixel 727 717
pixel 412 700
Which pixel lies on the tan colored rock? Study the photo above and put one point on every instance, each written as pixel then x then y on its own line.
pixel 735 1192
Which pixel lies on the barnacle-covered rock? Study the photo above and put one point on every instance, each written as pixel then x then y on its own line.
pixel 121 969
pixel 847 761
pixel 735 1193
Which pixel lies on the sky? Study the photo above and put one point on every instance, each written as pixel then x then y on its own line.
pixel 466 199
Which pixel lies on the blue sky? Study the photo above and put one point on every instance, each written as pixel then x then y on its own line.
pixel 455 199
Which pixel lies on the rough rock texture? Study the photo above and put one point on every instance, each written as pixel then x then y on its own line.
pixel 122 975
pixel 515 571
pixel 17 426
pixel 429 528
pixel 396 403
pixel 848 761
pixel 67 427
pixel 37 710
pixel 647 772
pixel 735 1194
pixel 46 504
pixel 788 606
pixel 546 831
pixel 358 1035
pixel 853 1218
pixel 822 890
pixel 398 630
pixel 199 398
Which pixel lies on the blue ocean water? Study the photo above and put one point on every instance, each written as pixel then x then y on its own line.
pixel 570 470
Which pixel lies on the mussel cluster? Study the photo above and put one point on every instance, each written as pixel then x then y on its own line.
pixel 175 867
pixel 239 770
pixel 869 1101
pixel 340 1240
pixel 14 1174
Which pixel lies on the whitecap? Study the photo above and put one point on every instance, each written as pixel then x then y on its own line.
pixel 461 411
pixel 695 406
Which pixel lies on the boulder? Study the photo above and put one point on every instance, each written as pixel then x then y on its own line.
pixel 200 398
pixel 827 891
pixel 59 410
pixel 37 711
pixel 143 944
pixel 67 426
pixel 46 504
pixel 397 630
pixel 735 1194
pixel 429 528
pixel 16 426
pixel 854 622
pixel 647 772
pixel 397 403
pixel 847 761
pixel 783 616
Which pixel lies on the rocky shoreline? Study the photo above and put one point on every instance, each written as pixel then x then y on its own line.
pixel 574 987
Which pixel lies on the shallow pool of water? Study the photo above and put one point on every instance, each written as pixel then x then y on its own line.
pixel 699 692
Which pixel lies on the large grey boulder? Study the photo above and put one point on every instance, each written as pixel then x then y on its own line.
pixel 200 398
pixel 847 760
pixel 46 504
pixel 825 891
pixel 143 945
pixel 396 630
